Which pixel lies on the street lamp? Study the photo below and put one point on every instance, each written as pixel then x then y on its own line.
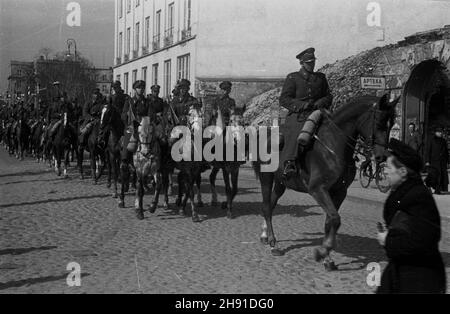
pixel 72 42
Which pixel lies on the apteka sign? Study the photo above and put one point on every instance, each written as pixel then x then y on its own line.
pixel 373 82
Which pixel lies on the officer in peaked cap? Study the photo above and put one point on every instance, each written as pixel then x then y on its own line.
pixel 303 92
pixel 139 85
pixel 224 102
pixel 182 103
pixel 157 106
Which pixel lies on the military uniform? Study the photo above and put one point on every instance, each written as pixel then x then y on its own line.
pixel 303 92
pixel 225 103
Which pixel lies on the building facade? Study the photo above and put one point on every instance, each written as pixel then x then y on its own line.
pixel 20 78
pixel 253 43
pixel 103 78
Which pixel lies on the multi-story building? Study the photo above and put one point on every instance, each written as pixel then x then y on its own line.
pixel 253 43
pixel 20 79
pixel 103 78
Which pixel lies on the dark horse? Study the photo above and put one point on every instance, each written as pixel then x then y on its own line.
pixel 111 124
pixel 96 153
pixel 327 168
pixel 64 140
pixel 22 135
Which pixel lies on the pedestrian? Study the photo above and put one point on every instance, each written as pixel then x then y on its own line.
pixel 437 160
pixel 411 240
pixel 413 137
pixel 303 92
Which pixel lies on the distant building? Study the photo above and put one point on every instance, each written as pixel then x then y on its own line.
pixel 20 78
pixel 103 77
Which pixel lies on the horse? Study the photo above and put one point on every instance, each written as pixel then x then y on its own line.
pixel 111 123
pixel 96 153
pixel 147 161
pixel 63 141
pixel 327 167
pixel 22 133
pixel 230 169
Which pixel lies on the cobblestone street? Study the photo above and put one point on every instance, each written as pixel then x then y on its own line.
pixel 47 222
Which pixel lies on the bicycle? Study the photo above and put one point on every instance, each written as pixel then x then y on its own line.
pixel 367 174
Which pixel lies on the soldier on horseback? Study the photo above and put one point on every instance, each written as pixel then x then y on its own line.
pixel 157 106
pixel 224 102
pixel 91 111
pixel 303 92
pixel 182 103
pixel 118 96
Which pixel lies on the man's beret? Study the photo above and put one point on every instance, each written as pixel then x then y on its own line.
pixel 405 154
pixel 225 85
pixel 139 84
pixel 184 83
pixel 155 87
pixel 307 55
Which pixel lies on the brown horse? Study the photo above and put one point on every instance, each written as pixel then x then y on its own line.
pixel 327 167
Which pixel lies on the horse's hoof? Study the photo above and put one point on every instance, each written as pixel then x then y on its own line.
pixel 178 202
pixel 330 266
pixel 182 212
pixel 139 215
pixel 108 185
pixel 200 204
pixel 230 215
pixel 320 253
pixel 115 195
pixel 224 205
pixel 121 204
pixel 152 208
pixel 277 252
pixel 196 219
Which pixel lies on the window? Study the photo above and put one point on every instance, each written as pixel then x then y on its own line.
pixel 167 77
pixel 155 74
pixel 134 77
pixel 137 3
pixel 125 79
pixel 187 14
pixel 104 89
pixel 104 77
pixel 183 67
pixel 128 40
pixel 144 74
pixel 147 32
pixel 128 6
pixel 119 49
pixel 136 37
pixel 170 15
pixel 120 8
pixel 158 23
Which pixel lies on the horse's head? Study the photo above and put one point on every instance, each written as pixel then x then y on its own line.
pixel 375 125
pixel 146 133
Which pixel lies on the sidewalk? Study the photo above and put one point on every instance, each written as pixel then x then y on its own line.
pixel 373 194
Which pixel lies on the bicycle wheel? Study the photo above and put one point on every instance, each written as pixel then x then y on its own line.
pixel 381 180
pixel 365 174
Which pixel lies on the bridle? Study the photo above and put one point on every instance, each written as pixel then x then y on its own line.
pixel 367 144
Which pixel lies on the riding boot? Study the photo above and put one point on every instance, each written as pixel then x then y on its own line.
pixel 290 167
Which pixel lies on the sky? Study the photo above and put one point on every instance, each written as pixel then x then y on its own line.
pixel 26 26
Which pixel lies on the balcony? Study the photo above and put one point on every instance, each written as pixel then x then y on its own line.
pixel 168 37
pixel 186 34
pixel 144 50
pixel 126 58
pixel 118 61
pixel 156 43
pixel 135 54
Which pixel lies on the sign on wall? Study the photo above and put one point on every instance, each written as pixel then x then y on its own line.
pixel 373 82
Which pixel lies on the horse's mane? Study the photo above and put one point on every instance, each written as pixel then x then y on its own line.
pixel 354 107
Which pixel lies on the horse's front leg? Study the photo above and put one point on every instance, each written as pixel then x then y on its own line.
pixel 138 203
pixel 212 183
pixel 158 185
pixel 110 159
pixel 198 181
pixel 332 224
pixel 115 173
pixel 80 161
pixel 124 174
pixel 190 195
pixel 66 164
pixel 227 205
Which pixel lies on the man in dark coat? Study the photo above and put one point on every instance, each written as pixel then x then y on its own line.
pixel 437 160
pixel 413 230
pixel 91 112
pixel 413 138
pixel 157 110
pixel 119 97
pixel 303 92
pixel 225 103
pixel 183 103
